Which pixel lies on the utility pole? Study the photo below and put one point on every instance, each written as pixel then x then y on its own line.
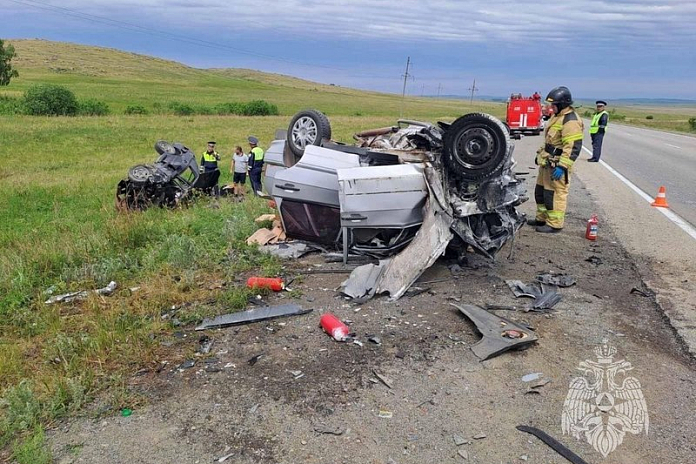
pixel 473 89
pixel 422 89
pixel 439 87
pixel 403 92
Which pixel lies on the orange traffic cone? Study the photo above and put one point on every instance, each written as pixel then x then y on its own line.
pixel 661 199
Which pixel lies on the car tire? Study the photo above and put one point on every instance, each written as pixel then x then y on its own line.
pixel 307 127
pixel 163 147
pixel 476 147
pixel 140 174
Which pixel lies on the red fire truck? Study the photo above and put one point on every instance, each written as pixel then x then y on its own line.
pixel 524 114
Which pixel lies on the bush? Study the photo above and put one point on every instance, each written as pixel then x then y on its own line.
pixel 259 108
pixel 181 109
pixel 229 108
pixel 692 123
pixel 92 107
pixel 649 116
pixel 587 113
pixel 9 105
pixel 50 100
pixel 136 109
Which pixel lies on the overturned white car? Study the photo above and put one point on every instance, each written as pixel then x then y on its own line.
pixel 403 194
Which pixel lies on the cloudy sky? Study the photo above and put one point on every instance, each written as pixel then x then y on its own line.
pixel 599 49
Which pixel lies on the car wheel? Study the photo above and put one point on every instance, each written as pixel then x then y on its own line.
pixel 476 147
pixel 308 127
pixel 163 147
pixel 140 174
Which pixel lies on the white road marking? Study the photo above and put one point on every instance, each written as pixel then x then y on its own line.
pixel 670 145
pixel 675 218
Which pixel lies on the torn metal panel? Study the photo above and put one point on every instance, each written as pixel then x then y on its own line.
pixel 253 315
pixel 545 296
pixel 519 289
pixel 429 244
pixel 553 444
pixel 362 282
pixel 499 334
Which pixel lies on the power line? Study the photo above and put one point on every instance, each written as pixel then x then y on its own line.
pixel 146 30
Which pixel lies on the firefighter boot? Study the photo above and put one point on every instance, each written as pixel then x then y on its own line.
pixel 547 230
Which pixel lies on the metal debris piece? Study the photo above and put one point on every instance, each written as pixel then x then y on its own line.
pixel 553 444
pixel 81 295
pixel 494 330
pixel 291 250
pixel 255 359
pixel 205 343
pixel 375 340
pixel 253 315
pixel 382 379
pixel 531 377
pixel 559 280
pixel 225 457
pixel 328 429
pixel 459 440
pixel 645 293
pixel 463 453
pixel 497 307
pixel 479 436
pixel 594 259
pixel 362 282
pixel 188 364
pixel 545 296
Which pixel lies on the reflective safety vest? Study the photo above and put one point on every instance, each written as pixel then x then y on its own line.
pixel 209 161
pixel 256 158
pixel 594 124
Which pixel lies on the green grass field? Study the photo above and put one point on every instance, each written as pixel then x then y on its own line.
pixel 59 228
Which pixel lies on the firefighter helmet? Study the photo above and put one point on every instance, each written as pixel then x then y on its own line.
pixel 560 96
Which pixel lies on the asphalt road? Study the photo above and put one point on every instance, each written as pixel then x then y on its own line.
pixel 651 159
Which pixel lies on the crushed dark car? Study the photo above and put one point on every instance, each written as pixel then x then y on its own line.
pixel 168 182
pixel 402 194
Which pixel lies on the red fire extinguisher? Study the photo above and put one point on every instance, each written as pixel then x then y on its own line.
pixel 592 227
pixel 271 283
pixel 334 327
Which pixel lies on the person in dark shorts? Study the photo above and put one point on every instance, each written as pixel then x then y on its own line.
pixel 238 169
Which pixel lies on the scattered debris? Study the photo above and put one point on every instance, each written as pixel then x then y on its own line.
pixel 382 378
pixel 559 280
pixel 335 328
pixel 255 359
pixel 125 412
pixel 261 237
pixel 224 458
pixel 480 436
pixel 553 444
pixel 532 377
pixel 459 440
pixel 188 364
pixel 374 339
pixel 383 413
pixel 328 430
pixel 594 259
pixel 254 408
pixel 463 453
pixel 205 343
pixel 646 293
pixel 290 250
pixel 545 296
pixel 265 218
pixel 499 334
pixel 81 295
pixel 253 315
pixel 497 307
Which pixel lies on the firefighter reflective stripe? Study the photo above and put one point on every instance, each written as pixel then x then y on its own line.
pixel 551 199
pixel 557 126
pixel 571 138
pixel 594 124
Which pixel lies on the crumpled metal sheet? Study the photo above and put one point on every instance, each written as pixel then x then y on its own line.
pixel 560 280
pixel 396 275
pixel 499 334
pixel 68 297
pixel 545 296
pixel 291 250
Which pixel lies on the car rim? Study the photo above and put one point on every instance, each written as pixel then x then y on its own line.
pixel 140 174
pixel 474 148
pixel 304 132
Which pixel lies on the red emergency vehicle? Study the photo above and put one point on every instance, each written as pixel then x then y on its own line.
pixel 524 114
